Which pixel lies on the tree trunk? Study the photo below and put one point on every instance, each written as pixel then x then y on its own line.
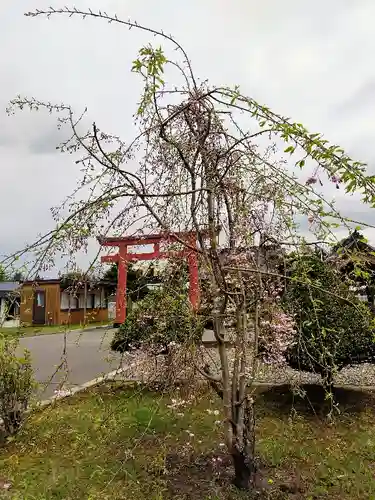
pixel 243 451
pixel 244 470
pixel 328 387
pixel 328 380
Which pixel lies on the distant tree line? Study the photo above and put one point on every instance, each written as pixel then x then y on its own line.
pixel 10 275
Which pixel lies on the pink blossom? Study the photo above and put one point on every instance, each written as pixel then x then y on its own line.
pixel 335 179
pixel 277 336
pixel 311 180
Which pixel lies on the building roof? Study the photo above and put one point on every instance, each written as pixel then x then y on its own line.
pixel 42 281
pixel 7 287
pixel 354 242
pixel 66 284
pixel 353 250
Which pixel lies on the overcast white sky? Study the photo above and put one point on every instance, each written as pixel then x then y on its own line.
pixel 313 61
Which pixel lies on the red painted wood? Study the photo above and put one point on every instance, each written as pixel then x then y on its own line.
pixel 123 257
pixel 153 256
pixel 121 286
pixel 134 257
pixel 193 281
pixel 110 258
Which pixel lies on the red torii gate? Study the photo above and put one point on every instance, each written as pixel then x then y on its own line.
pixel 123 257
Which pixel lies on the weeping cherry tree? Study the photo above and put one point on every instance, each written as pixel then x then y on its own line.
pixel 212 161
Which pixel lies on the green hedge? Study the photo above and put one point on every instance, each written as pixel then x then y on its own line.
pixel 163 316
pixel 334 328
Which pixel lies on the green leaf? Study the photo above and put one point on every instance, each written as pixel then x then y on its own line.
pixel 137 65
pixel 234 98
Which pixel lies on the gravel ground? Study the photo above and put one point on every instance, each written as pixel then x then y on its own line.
pixel 360 375
pixel 141 367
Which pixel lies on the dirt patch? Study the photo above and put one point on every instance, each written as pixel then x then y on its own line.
pixel 198 477
pixel 210 476
pixel 311 400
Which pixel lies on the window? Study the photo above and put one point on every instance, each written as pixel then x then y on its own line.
pixel 40 299
pixel 69 301
pixel 73 302
pixel 92 303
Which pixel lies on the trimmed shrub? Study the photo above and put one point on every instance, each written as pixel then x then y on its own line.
pixel 16 386
pixel 162 317
pixel 334 328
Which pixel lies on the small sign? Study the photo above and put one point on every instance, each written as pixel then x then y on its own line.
pixel 111 310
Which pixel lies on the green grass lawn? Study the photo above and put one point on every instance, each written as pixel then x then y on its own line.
pixel 123 443
pixel 31 331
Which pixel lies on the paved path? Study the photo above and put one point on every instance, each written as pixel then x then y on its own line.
pixel 88 356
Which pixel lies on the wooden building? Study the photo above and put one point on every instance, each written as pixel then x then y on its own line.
pixel 53 302
pixel 9 303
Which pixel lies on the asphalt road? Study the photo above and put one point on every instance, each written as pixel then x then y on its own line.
pixel 88 356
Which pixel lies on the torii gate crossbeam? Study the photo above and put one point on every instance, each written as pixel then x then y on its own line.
pixel 124 256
